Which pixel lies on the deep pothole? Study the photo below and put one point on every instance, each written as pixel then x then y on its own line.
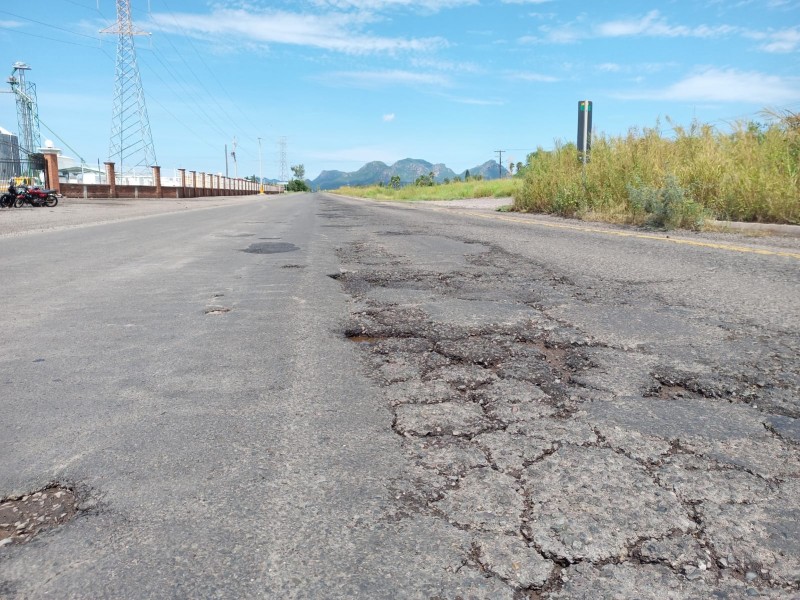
pixel 23 517
pixel 270 248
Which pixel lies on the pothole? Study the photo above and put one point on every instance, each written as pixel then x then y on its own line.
pixel 217 310
pixel 365 339
pixel 270 248
pixel 23 517
pixel 293 266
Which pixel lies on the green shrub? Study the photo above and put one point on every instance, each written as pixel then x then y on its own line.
pixel 668 206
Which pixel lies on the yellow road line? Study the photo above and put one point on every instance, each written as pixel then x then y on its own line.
pixel 643 236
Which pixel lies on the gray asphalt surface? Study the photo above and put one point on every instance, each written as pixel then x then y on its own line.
pixel 393 401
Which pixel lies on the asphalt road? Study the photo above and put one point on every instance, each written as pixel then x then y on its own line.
pixel 316 397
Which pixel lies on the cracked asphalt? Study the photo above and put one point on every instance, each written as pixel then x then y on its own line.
pixel 318 397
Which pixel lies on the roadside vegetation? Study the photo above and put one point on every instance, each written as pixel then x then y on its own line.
pixel 751 173
pixel 427 189
pixel 298 182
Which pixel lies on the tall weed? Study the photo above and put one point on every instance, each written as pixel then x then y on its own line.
pixel 751 173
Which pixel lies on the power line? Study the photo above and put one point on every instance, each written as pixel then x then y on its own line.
pixel 91 37
pixel 205 64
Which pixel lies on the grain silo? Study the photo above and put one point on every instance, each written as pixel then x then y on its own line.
pixel 9 156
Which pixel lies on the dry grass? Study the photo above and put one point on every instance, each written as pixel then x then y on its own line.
pixel 749 174
pixel 495 188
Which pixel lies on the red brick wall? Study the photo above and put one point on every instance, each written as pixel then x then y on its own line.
pixel 79 190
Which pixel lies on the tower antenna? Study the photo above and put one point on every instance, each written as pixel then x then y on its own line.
pixel 131 144
pixel 27 109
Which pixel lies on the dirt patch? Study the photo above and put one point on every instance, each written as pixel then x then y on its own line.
pixel 23 517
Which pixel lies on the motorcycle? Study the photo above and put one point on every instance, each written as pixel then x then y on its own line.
pixel 7 200
pixel 34 196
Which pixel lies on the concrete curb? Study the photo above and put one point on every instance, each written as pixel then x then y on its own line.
pixel 769 228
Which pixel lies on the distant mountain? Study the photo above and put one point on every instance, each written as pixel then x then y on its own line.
pixel 407 169
pixel 488 170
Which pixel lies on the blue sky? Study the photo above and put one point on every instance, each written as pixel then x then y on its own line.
pixel 349 81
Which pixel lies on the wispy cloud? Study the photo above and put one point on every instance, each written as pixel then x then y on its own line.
pixel 342 32
pixel 782 41
pixel 384 78
pixel 726 85
pixel 383 5
pixel 435 64
pixel 652 24
pixel 388 118
pixel 476 101
pixel 535 77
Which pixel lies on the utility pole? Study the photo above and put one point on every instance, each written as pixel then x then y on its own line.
pixel 226 160
pixel 235 164
pixel 260 176
pixel 500 166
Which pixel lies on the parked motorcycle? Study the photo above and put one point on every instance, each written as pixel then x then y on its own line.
pixel 34 196
pixel 7 200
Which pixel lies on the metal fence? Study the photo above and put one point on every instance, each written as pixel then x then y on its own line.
pixel 30 169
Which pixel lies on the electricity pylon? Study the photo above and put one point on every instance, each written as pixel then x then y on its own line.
pixel 284 173
pixel 131 144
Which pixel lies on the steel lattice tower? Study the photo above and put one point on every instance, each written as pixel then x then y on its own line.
pixel 30 139
pixel 284 173
pixel 131 144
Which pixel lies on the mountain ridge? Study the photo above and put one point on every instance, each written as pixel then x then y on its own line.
pixel 408 169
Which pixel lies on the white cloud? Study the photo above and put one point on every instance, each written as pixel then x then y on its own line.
pixel 388 118
pixel 337 32
pixel 436 64
pixel 475 101
pixel 780 42
pixel 653 24
pixel 431 6
pixel 727 85
pixel 389 77
pixel 537 77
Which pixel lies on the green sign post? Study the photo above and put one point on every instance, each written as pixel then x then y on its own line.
pixel 584 129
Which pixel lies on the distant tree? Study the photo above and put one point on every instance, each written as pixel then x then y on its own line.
pixel 425 180
pixel 251 178
pixel 395 181
pixel 299 171
pixel 519 167
pixel 511 168
pixel 297 185
pixel 457 179
pixel 467 176
pixel 446 180
pixel 477 177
